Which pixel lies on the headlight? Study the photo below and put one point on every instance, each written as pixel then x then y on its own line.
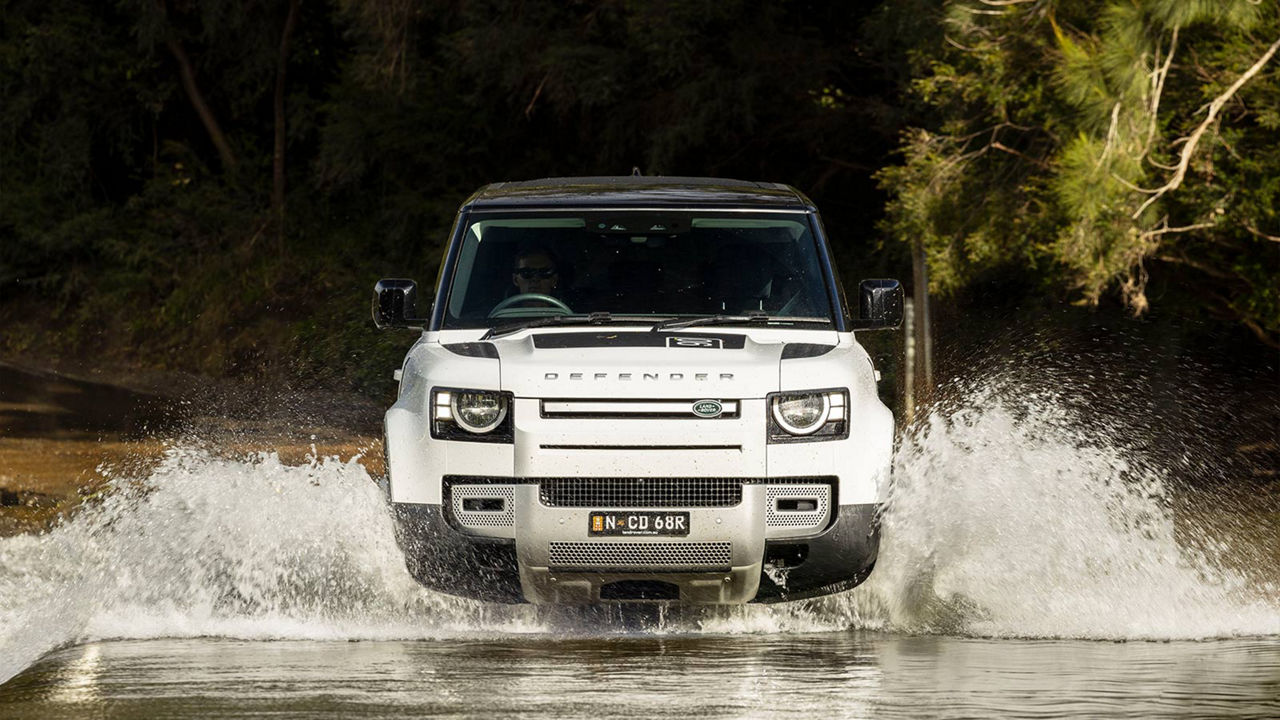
pixel 477 415
pixel 812 415
pixel 801 414
pixel 478 412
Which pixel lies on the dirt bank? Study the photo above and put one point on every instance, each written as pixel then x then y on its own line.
pixel 63 433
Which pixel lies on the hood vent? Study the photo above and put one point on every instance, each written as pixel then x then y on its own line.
pixel 613 338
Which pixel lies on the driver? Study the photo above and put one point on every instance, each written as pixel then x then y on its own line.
pixel 535 272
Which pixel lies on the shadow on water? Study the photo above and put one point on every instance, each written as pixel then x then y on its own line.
pixel 44 405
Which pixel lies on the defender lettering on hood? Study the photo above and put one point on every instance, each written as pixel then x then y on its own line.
pixel 628 376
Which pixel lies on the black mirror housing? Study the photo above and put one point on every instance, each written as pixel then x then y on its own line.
pixel 395 304
pixel 879 305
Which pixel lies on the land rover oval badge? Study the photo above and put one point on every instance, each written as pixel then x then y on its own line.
pixel 708 408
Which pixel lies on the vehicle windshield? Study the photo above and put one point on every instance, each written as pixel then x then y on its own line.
pixel 636 265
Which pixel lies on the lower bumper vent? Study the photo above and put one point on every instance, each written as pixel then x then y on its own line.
pixel 710 556
pixel 797 508
pixel 480 507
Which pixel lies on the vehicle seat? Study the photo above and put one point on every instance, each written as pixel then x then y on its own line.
pixel 635 286
pixel 742 279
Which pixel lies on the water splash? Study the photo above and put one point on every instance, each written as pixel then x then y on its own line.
pixel 1019 512
pixel 1010 516
pixel 206 546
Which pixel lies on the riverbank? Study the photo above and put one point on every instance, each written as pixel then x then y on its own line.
pixel 65 433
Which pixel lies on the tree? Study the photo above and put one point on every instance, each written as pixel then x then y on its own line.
pixel 1094 143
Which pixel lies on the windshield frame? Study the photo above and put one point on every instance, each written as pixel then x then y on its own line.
pixel 445 280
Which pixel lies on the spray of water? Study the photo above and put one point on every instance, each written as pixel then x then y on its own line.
pixel 1009 517
pixel 206 546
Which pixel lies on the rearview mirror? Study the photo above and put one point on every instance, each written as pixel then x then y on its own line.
pixel 395 304
pixel 879 305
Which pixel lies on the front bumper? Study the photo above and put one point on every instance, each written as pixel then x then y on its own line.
pixel 525 569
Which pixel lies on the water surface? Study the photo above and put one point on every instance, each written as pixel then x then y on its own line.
pixel 1036 561
pixel 854 674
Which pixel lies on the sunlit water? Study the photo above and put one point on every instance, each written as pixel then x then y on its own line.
pixel 777 675
pixel 1010 518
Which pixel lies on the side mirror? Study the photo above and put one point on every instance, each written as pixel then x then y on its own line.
pixel 879 305
pixel 395 304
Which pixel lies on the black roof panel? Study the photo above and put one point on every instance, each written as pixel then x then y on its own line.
pixel 637 191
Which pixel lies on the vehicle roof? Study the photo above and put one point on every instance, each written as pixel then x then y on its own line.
pixel 638 191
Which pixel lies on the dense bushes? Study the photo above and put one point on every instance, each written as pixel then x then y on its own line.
pixel 141 213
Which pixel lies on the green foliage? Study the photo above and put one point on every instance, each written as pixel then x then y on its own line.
pixel 132 231
pixel 135 208
pixel 1058 129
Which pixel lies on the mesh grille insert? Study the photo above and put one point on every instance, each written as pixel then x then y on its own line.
pixel 641 556
pixel 640 492
pixel 504 518
pixel 797 519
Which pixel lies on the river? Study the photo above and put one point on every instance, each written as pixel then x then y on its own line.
pixel 1036 562
pixel 772 675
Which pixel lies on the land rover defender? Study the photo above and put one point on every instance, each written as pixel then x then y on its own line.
pixel 638 389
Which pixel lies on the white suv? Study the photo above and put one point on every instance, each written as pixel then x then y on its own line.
pixel 638 389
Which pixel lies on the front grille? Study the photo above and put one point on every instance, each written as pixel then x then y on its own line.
pixel 683 556
pixel 640 492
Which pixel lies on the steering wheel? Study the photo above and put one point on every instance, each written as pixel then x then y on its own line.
pixel 524 297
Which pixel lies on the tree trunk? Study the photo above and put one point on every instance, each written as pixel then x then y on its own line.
pixel 923 328
pixel 201 107
pixel 277 157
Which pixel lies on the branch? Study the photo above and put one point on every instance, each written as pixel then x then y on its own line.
pixel 1185 228
pixel 188 73
pixel 1111 135
pixel 1261 334
pixel 1157 82
pixel 528 109
pixel 997 145
pixel 202 109
pixel 1259 233
pixel 277 156
pixel 1197 265
pixel 1131 186
pixel 1194 139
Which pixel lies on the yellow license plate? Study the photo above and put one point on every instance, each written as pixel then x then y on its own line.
pixel 643 523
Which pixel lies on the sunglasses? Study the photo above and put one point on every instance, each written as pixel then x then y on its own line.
pixel 531 273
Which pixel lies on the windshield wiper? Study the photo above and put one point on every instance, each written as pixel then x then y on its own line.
pixel 595 318
pixel 750 317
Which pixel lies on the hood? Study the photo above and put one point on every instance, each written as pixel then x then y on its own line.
pixel 638 364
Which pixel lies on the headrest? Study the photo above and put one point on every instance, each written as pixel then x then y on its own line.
pixel 742 272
